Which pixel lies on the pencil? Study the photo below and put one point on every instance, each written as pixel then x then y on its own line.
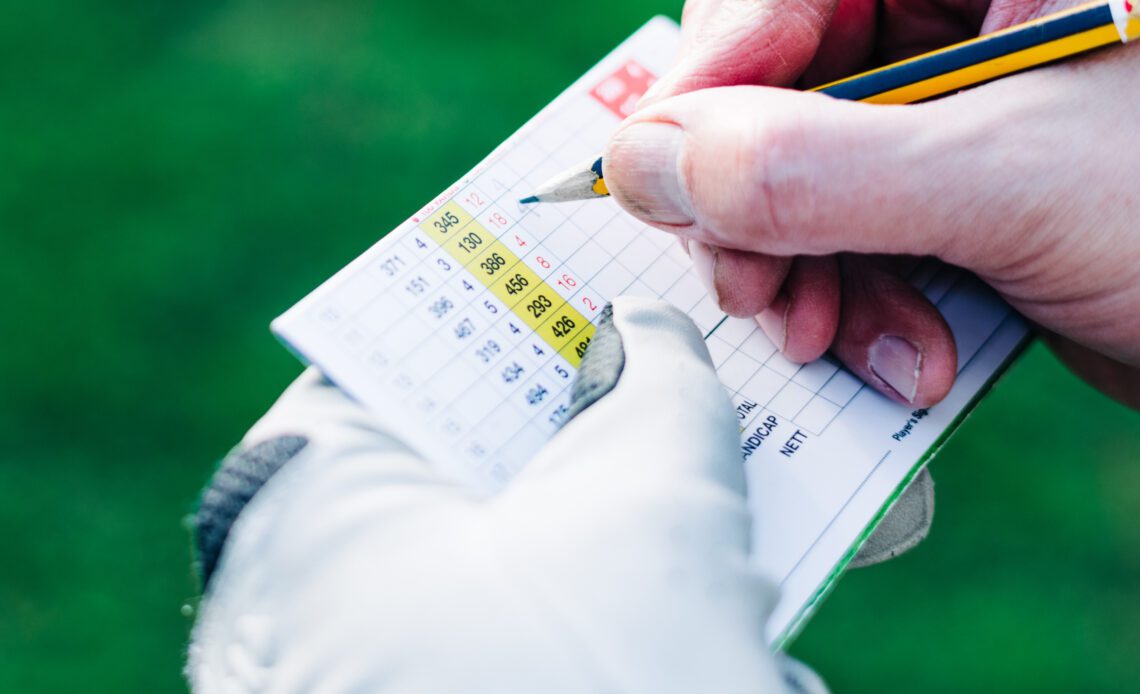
pixel 1046 40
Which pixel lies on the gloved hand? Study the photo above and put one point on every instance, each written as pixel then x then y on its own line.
pixel 616 561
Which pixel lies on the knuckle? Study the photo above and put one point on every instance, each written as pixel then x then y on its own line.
pixel 785 184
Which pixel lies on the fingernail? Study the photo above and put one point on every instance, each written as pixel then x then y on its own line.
pixel 646 158
pixel 897 362
pixel 704 262
pixel 774 321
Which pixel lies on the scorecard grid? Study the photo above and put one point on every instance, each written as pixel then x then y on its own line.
pixel 612 255
pixel 462 330
pixel 420 351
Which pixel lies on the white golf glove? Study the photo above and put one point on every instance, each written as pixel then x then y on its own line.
pixel 336 560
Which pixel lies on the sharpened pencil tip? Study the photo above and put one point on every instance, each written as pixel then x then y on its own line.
pixel 583 182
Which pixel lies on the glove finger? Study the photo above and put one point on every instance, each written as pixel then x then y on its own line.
pixel 310 524
pixel 315 409
pixel 645 486
pixel 313 420
pixel 653 401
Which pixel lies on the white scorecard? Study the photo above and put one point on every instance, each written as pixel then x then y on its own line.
pixel 462 330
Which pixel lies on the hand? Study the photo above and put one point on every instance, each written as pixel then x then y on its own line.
pixel 1024 181
pixel 617 560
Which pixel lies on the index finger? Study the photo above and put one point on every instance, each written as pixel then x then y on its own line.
pixel 731 42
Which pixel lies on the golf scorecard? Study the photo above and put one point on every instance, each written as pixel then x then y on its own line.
pixel 463 328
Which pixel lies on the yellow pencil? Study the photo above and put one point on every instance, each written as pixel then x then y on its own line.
pixel 966 64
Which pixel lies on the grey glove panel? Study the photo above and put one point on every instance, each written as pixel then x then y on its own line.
pixel 799 677
pixel 238 478
pixel 601 366
pixel 904 526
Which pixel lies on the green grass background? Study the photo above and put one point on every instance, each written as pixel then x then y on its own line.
pixel 175 174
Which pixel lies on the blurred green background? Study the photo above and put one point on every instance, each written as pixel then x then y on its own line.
pixel 175 174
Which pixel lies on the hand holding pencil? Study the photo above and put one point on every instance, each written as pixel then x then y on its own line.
pixel 799 209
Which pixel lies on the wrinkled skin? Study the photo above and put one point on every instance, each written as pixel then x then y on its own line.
pixel 802 210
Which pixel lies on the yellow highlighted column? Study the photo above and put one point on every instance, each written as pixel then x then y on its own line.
pixel 445 222
pixel 560 325
pixel 468 243
pixel 512 281
pixel 494 261
pixel 515 284
pixel 576 347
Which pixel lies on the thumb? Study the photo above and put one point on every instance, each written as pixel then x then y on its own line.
pixel 789 173
pixel 648 410
pixel 640 501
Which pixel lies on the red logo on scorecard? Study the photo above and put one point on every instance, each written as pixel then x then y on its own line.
pixel 620 91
